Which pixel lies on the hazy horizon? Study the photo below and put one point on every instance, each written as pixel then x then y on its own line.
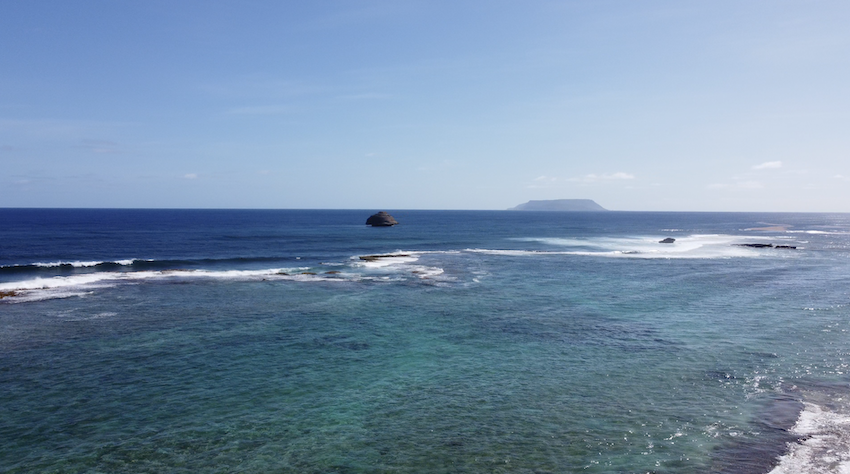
pixel 650 106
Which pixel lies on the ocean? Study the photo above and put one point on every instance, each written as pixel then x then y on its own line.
pixel 466 341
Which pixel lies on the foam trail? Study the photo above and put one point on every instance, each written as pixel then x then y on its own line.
pixel 396 266
pixel 84 264
pixel 816 232
pixel 387 261
pixel 824 447
pixel 703 246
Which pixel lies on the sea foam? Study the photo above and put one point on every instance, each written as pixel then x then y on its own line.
pixel 386 267
pixel 699 246
pixel 824 446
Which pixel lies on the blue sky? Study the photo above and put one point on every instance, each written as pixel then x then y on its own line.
pixel 650 105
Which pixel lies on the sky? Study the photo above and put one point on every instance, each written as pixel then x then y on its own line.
pixel 643 106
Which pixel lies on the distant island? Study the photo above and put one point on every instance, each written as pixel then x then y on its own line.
pixel 560 205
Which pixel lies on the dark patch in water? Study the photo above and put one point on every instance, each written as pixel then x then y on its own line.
pixel 341 342
pixel 764 355
pixel 354 346
pixel 720 375
pixel 761 454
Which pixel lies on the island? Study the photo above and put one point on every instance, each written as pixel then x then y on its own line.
pixel 560 205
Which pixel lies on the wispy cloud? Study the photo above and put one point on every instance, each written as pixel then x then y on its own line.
pixel 739 185
pixel 750 185
pixel 543 181
pixel 442 165
pixel 191 176
pixel 767 165
pixel 259 87
pixel 99 146
pixel 593 177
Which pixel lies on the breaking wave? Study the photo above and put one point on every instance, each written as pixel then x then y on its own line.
pixel 824 445
pixel 706 246
pixel 388 267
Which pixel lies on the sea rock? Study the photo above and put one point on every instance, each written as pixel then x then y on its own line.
pixel 785 247
pixel 757 246
pixel 372 258
pixel 381 219
pixel 668 240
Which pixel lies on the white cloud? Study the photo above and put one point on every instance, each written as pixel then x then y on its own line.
pixel 738 185
pixel 606 177
pixel 99 146
pixel 768 165
pixel 191 176
pixel 750 185
pixel 542 182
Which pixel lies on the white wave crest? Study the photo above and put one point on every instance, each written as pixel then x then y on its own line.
pixel 83 264
pixel 388 267
pixel 824 447
pixel 816 232
pixel 387 260
pixel 703 246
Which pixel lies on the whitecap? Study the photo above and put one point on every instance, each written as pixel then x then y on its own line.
pixel 824 446
pixel 387 260
pixel 816 232
pixel 392 267
pixel 702 246
pixel 83 263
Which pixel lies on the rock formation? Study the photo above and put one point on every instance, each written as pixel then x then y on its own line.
pixel 372 258
pixel 668 240
pixel 768 246
pixel 381 219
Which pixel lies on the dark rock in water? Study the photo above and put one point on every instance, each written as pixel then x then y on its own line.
pixel 381 219
pixel 372 258
pixel 767 246
pixel 668 240
pixel 4 294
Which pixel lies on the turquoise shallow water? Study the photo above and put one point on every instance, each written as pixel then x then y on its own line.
pixel 491 342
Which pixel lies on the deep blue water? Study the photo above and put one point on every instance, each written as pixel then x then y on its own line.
pixel 259 341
